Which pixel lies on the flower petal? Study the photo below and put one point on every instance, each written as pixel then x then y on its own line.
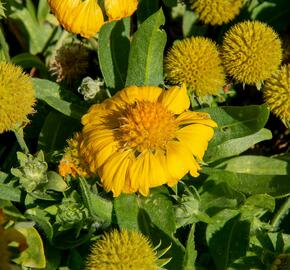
pixel 195 118
pixel 175 99
pixel 196 138
pixel 118 9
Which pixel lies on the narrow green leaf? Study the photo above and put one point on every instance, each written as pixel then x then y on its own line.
pixel 237 122
pixel 114 47
pixel 190 251
pixel 236 146
pixel 227 237
pixel 146 53
pixel 4 47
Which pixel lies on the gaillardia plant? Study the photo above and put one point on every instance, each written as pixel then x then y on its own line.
pixel 144 137
pixel 276 92
pixel 251 52
pixel 16 97
pixel 195 61
pixel 217 12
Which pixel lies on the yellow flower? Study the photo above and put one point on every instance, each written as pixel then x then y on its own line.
pixel 143 137
pixel 122 251
pixel 196 62
pixel 118 9
pixel 82 17
pixel 217 12
pixel 251 52
pixel 16 96
pixel 70 62
pixel 276 92
pixel 71 162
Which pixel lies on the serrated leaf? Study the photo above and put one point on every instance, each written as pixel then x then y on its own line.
pixel 190 251
pixel 146 53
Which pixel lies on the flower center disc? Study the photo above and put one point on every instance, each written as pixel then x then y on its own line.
pixel 146 125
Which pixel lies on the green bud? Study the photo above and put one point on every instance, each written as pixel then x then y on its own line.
pixel 71 214
pixel 31 172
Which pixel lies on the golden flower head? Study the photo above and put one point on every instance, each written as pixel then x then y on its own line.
pixel 276 92
pixel 70 63
pixel 196 62
pixel 16 96
pixel 122 251
pixel 281 262
pixel 144 137
pixel 118 9
pixel 82 17
pixel 72 163
pixel 251 52
pixel 217 12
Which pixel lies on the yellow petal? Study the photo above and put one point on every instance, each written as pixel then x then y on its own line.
pixel 118 9
pixel 179 160
pixel 175 99
pixel 196 138
pixel 114 172
pixel 132 94
pixel 195 118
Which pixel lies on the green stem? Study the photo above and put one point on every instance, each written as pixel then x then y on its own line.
pixel 280 215
pixel 20 139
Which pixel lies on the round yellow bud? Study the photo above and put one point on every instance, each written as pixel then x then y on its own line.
pixel 16 96
pixel 251 52
pixel 195 61
pixel 276 92
pixel 217 12
pixel 122 251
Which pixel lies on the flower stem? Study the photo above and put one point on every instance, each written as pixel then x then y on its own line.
pixel 20 139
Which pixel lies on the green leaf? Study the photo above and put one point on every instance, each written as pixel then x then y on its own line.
pixel 51 139
pixel 146 8
pixel 33 256
pixel 55 182
pixel 9 193
pixel 235 147
pixel 126 210
pixel 146 53
pixel 170 3
pixel 37 35
pixel 250 184
pixel 114 47
pixel 237 122
pixel 190 251
pixel 4 47
pixel 97 206
pixel 50 93
pixel 42 10
pixel 27 60
pixel 42 220
pixel 258 165
pixel 227 237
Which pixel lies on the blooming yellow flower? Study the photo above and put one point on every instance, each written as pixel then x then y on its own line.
pixel 16 96
pixel 118 9
pixel 71 162
pixel 251 52
pixel 276 92
pixel 144 137
pixel 195 61
pixel 122 251
pixel 82 17
pixel 217 12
